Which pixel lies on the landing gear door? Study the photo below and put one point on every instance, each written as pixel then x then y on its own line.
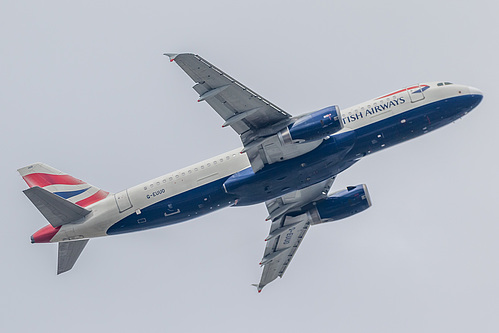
pixel 416 92
pixel 123 201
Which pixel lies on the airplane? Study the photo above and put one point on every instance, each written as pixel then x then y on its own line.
pixel 287 162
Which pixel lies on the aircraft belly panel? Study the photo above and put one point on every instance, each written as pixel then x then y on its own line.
pixel 184 206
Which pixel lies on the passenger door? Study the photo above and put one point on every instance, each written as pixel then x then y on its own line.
pixel 416 93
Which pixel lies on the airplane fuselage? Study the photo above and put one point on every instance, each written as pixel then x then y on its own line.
pixel 228 179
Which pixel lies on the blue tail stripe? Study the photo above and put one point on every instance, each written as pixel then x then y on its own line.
pixel 70 194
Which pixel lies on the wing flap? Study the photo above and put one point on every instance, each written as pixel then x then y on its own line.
pixel 58 211
pixel 291 218
pixel 68 253
pixel 280 250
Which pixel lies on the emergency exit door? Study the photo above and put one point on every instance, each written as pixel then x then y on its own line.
pixel 123 201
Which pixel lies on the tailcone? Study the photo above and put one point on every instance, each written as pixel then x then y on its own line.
pixel 45 234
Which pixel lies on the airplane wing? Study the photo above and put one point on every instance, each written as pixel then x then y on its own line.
pixel 249 114
pixel 290 223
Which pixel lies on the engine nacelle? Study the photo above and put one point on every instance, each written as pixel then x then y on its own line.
pixel 314 126
pixel 345 203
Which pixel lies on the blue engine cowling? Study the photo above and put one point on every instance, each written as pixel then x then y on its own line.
pixel 345 203
pixel 315 126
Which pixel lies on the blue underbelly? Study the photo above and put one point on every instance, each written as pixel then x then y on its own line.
pixel 182 207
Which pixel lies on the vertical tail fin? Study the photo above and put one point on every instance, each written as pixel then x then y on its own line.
pixel 62 184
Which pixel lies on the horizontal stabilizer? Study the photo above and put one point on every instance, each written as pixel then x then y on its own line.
pixel 68 253
pixel 58 211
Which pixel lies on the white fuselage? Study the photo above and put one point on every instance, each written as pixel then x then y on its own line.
pixel 114 208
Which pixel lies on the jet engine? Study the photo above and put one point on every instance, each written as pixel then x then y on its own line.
pixel 313 126
pixel 345 203
pixel 302 136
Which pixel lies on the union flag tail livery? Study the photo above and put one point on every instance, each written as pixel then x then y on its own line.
pixel 62 184
pixel 287 162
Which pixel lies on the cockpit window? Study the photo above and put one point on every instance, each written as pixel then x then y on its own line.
pixel 440 84
pixel 448 83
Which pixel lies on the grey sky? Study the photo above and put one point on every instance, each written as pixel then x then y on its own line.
pixel 85 88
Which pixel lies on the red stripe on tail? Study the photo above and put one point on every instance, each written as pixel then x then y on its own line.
pixel 46 179
pixel 98 196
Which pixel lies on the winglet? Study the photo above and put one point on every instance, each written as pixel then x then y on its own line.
pixel 257 287
pixel 172 56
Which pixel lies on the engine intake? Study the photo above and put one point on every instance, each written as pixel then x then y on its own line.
pixel 342 204
pixel 314 126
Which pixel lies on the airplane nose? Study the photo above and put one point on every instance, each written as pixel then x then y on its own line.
pixel 476 97
pixel 475 91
